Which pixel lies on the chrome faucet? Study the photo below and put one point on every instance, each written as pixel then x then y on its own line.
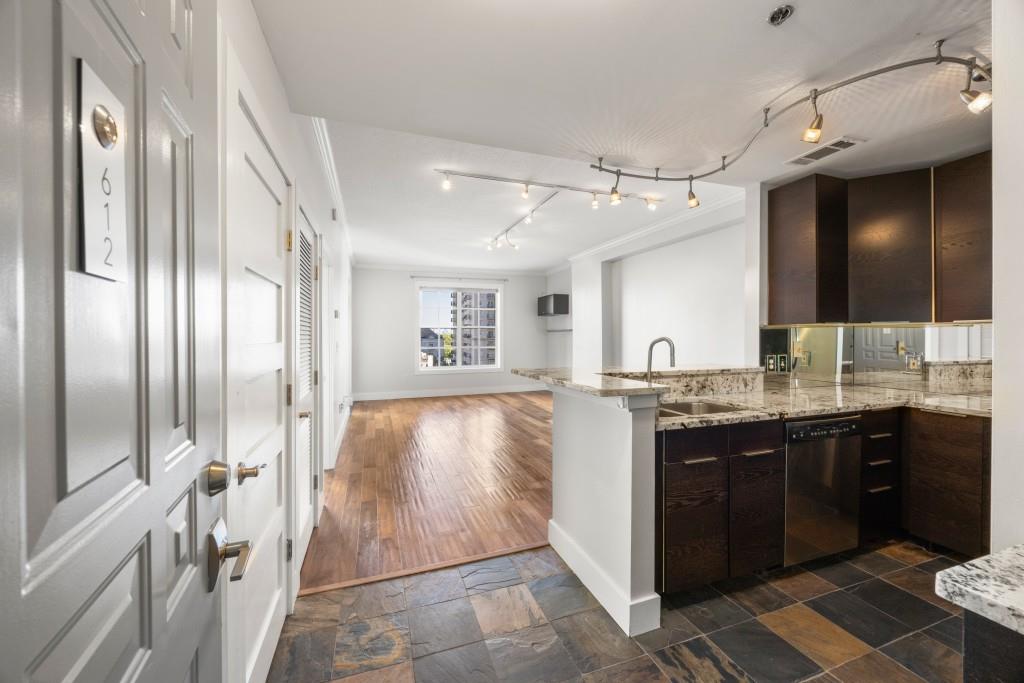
pixel 650 354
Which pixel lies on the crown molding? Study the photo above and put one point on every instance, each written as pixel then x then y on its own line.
pixel 446 272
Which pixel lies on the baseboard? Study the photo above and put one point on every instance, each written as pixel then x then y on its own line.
pixel 634 616
pixel 332 460
pixel 430 393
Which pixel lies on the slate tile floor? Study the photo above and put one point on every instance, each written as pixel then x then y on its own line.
pixel 525 618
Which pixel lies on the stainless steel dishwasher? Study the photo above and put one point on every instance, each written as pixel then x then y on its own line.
pixel 822 487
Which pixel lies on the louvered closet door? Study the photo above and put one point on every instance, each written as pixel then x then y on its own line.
pixel 306 380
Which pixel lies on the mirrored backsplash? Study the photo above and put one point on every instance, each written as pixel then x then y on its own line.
pixel 887 356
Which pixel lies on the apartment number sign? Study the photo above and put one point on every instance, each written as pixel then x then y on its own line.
pixel 102 143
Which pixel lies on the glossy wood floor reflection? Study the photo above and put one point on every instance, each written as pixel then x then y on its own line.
pixel 426 483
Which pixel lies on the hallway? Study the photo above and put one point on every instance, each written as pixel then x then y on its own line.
pixel 426 483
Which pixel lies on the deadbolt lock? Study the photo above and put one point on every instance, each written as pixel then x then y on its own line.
pixel 218 477
pixel 105 127
pixel 218 549
pixel 245 472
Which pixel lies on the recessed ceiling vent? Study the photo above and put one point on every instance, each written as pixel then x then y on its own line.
pixel 826 150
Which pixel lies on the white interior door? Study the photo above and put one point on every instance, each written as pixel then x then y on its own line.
pixel 307 468
pixel 110 380
pixel 257 209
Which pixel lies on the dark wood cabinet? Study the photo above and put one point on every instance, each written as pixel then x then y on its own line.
pixel 963 239
pixel 757 511
pixel 880 479
pixel 720 501
pixel 890 247
pixel 945 469
pixel 807 246
pixel 696 533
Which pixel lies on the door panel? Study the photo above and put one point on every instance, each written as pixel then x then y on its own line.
pixel 111 388
pixel 258 204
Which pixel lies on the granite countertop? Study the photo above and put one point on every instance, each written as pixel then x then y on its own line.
pixel 590 382
pixel 785 398
pixel 991 586
pixel 682 370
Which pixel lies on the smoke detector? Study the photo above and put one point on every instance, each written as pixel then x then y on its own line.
pixel 780 14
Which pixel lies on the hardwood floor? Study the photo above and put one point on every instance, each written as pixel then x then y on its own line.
pixel 432 482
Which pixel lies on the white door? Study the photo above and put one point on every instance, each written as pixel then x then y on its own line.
pixel 257 207
pixel 110 382
pixel 307 470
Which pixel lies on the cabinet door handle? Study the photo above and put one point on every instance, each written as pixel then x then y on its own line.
pixel 883 435
pixel 754 454
pixel 697 461
pixel 876 463
pixel 880 489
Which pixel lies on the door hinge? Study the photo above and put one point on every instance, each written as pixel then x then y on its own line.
pixel 288 550
pixel 316 272
pixel 288 240
pixel 316 377
pixel 288 395
pixel 316 482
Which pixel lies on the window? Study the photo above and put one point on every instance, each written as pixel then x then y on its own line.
pixel 458 328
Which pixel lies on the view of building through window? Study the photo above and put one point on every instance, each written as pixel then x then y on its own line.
pixel 458 328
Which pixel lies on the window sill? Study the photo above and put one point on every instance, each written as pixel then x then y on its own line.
pixel 455 370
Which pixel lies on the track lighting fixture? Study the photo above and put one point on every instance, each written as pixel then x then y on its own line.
pixel 651 204
pixel 525 194
pixel 446 184
pixel 977 101
pixel 594 204
pixel 490 246
pixel 614 198
pixel 813 132
pixel 691 198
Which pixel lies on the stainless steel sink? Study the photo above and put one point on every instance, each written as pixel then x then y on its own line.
pixel 693 408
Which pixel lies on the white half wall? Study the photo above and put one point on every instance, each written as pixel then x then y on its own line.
pixel 1007 275
pixel 692 291
pixel 385 327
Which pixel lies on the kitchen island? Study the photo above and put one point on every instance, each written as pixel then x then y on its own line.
pixel 605 426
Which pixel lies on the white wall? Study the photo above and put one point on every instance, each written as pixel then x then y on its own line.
pixel 559 342
pixel 1007 275
pixel 301 156
pixel 385 327
pixel 692 291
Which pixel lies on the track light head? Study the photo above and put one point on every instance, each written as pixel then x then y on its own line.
pixel 525 194
pixel 615 198
pixel 977 101
pixel 446 184
pixel 691 198
pixel 813 132
pixel 651 204
pixel 490 246
pixel 516 247
pixel 594 204
pixel 529 218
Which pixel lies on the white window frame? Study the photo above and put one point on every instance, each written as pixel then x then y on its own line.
pixel 419 285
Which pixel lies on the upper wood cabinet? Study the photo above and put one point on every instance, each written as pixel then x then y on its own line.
pixel 807 267
pixel 963 239
pixel 890 247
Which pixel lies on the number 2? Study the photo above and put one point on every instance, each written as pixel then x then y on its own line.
pixel 110 250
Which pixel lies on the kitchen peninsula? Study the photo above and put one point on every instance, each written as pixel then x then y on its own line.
pixel 609 436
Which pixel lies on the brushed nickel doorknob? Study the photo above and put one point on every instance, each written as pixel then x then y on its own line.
pixel 244 472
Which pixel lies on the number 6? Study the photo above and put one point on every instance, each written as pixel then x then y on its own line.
pixel 105 182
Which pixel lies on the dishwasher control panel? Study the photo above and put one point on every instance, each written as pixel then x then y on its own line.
pixel 822 429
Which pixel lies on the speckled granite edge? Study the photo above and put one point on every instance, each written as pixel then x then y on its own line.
pixel 591 383
pixel 991 586
pixel 973 361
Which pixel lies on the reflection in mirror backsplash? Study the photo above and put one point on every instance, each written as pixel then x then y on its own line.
pixel 943 356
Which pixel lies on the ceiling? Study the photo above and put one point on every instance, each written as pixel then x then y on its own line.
pixel 398 214
pixel 644 83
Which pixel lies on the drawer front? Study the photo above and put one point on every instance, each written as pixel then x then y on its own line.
pixel 756 437
pixel 879 471
pixel 686 445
